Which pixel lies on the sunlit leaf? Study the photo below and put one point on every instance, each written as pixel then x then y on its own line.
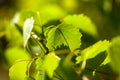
pixel 13 54
pixel 107 60
pixel 82 22
pixel 11 31
pixel 18 70
pixel 15 19
pixel 115 54
pixel 65 34
pixel 93 50
pixel 28 26
pixel 20 17
pixel 51 63
pixel 51 12
pixel 46 66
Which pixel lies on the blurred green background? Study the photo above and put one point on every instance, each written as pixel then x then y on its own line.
pixel 104 13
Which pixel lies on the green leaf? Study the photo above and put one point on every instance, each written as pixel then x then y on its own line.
pixel 82 22
pixel 15 19
pixel 20 17
pixel 65 34
pixel 18 70
pixel 115 54
pixel 93 50
pixel 40 70
pixel 51 12
pixel 28 78
pixel 28 26
pixel 51 62
pixel 107 60
pixel 66 71
pixel 45 65
pixel 12 35
pixel 95 62
pixel 13 54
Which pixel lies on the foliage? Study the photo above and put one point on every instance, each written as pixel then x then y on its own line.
pixel 62 35
pixel 65 34
pixel 61 40
pixel 115 53
pixel 80 22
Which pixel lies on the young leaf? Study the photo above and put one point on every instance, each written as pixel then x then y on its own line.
pixel 28 26
pixel 115 54
pixel 51 63
pixel 20 17
pixel 82 22
pixel 18 70
pixel 107 60
pixel 65 34
pixel 93 50
pixel 15 19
